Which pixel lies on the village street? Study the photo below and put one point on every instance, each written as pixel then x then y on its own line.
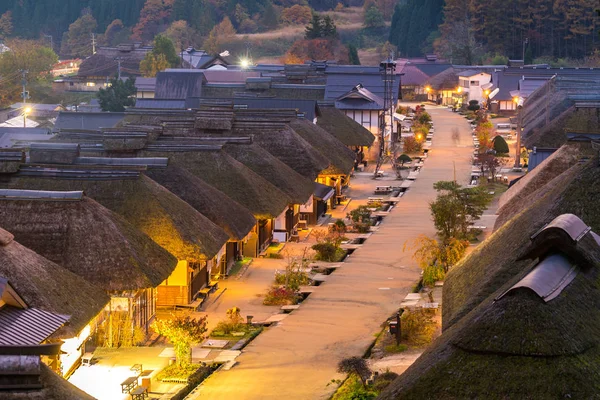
pixel 298 357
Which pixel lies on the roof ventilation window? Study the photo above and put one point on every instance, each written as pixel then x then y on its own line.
pixel 18 194
pixel 570 224
pixel 548 278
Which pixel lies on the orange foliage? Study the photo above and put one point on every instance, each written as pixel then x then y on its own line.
pixel 153 18
pixel 316 49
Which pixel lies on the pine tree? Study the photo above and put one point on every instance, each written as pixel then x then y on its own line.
pixel 270 19
pixel 353 55
pixel 329 29
pixel 314 29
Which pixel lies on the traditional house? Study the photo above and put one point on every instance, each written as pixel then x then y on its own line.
pixel 48 287
pixel 355 136
pixel 117 258
pixel 198 244
pixel 24 376
pixel 363 106
pixel 534 333
pixel 475 84
pixel 200 59
pixel 443 88
pixel 84 121
pixel 96 71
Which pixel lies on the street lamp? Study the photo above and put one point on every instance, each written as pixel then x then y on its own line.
pixel 519 103
pixel 487 98
pixel 245 63
pixel 26 110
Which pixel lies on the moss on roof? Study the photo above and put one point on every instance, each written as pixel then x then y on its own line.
pixel 231 177
pixel 165 218
pixel 488 267
pixel 89 240
pixel 341 158
pixel 230 215
pixel 50 287
pixel 296 186
pixel 344 128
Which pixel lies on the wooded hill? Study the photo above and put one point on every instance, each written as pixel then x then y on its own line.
pixel 471 28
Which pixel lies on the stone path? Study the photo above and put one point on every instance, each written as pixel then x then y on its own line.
pixel 297 359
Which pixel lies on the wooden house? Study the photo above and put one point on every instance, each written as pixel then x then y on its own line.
pixel 93 242
pixel 44 285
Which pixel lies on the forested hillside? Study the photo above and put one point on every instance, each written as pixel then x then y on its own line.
pixel 470 29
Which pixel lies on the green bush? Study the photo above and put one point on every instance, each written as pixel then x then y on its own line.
pixel 177 372
pixel 500 145
pixel 293 279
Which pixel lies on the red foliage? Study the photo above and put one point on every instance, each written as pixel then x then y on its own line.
pixel 154 17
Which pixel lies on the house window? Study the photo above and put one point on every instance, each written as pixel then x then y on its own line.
pixel 474 83
pixel 71 83
pixel 90 84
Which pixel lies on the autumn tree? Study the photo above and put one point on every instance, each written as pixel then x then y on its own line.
pixel 115 34
pixel 436 257
pixel 182 35
pixel 153 19
pixel 153 64
pixel 183 332
pixel 118 95
pixel 6 26
pixel 28 55
pixel 296 15
pixel 77 41
pixel 220 33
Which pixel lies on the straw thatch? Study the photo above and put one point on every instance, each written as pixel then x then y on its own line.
pixel 296 186
pixel 517 345
pixel 489 267
pixel 523 192
pixel 54 387
pixel 232 217
pixel 89 240
pixel 344 128
pixel 341 158
pixel 554 134
pixel 292 149
pixel 163 216
pixel 231 177
pixel 50 287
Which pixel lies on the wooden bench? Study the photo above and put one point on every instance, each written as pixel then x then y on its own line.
pixel 383 189
pixel 128 384
pixel 289 308
pixel 139 393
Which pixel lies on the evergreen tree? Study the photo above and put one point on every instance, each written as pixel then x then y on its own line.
pixel 329 29
pixel 163 45
pixel 77 41
pixel 270 19
pixel 528 56
pixel 314 29
pixel 374 18
pixel 118 95
pixel 353 55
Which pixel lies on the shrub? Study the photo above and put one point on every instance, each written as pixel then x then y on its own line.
pixel 411 145
pixel 326 251
pixel 362 227
pixel 292 279
pixel 424 117
pixel 176 372
pixel 500 145
pixel 356 365
pixel 338 226
pixel 360 214
pixel 233 323
pixel 280 296
pixel 473 105
pixel 383 380
pixel 418 326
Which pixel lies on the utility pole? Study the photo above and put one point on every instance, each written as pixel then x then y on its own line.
pixel 118 60
pixel 51 41
pixel 524 45
pixel 388 71
pixel 25 95
pixel 93 43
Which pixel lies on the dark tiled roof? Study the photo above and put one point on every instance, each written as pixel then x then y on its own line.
pixel 413 76
pixel 433 69
pixel 307 107
pixel 87 120
pixel 179 84
pixel 172 104
pixel 322 192
pixel 359 98
pixel 339 84
pixel 20 326
pixel 469 73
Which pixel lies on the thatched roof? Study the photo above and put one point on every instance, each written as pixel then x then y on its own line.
pixel 555 133
pixel 89 240
pixel 344 128
pixel 447 79
pixel 341 158
pixel 54 387
pixel 296 186
pixel 165 218
pixel 525 191
pixel 516 343
pixel 489 267
pixel 50 287
pixel 292 149
pixel 232 217
pixel 231 177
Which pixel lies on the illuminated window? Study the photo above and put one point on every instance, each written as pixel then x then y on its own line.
pixel 90 84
